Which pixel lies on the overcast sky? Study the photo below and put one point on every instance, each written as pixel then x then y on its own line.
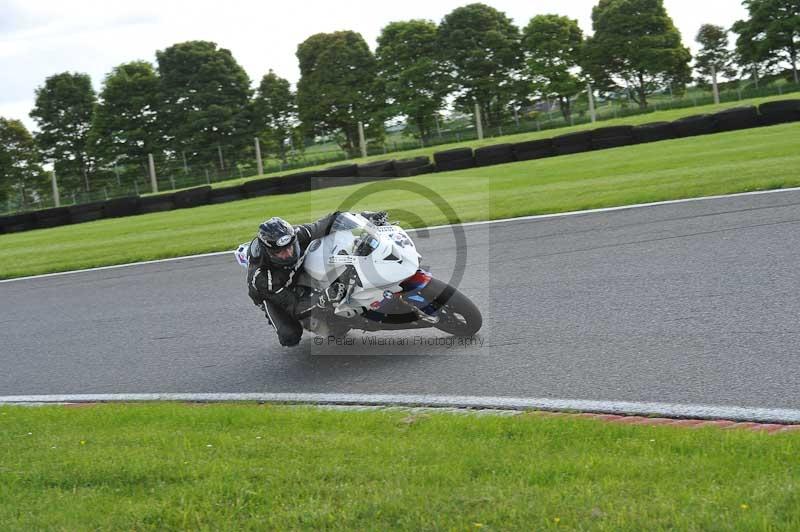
pixel 39 38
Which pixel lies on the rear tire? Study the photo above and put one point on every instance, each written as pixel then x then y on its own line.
pixel 458 315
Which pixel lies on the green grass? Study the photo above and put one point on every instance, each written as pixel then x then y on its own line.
pixel 655 116
pixel 250 467
pixel 757 159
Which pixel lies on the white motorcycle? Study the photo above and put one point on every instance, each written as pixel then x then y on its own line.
pixel 374 271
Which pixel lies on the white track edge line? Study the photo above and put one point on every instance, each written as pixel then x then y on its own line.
pixel 733 413
pixel 433 228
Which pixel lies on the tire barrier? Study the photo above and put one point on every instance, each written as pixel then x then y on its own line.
pixel 695 125
pixel 157 203
pixel 259 187
pixel 86 212
pixel 52 217
pixel 18 222
pixel 379 169
pixel 343 170
pixel 117 208
pixel 192 197
pixel 573 143
pixel 769 113
pixel 653 132
pixel 737 118
pixel 455 159
pixel 612 137
pixel 414 166
pixel 225 195
pixel 492 155
pixel 780 112
pixel 533 149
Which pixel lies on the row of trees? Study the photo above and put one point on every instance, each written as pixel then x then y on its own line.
pixel 198 100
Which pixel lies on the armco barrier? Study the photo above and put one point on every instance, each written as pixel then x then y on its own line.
pixel 455 159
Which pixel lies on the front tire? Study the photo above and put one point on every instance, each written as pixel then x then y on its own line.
pixel 457 314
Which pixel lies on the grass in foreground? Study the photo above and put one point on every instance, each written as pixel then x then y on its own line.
pixel 243 467
pixel 757 159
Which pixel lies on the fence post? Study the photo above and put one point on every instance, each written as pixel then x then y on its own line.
pixel 478 123
pixel 185 166
pixel 361 140
pixel 591 102
pixel 221 160
pixel 714 86
pixel 56 197
pixel 259 161
pixel 152 167
pixel 208 179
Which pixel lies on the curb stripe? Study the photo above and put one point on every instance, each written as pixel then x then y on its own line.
pixel 696 412
pixel 433 228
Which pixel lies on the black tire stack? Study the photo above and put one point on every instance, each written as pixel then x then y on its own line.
pixel 120 207
pixel 87 212
pixel 192 197
pixel 780 112
pixel 413 166
pixel 455 159
pixel 578 142
pixel 737 118
pixel 225 195
pixel 533 149
pixel 17 223
pixel 493 155
pixel 653 132
pixel 695 125
pixel 377 169
pixel 612 137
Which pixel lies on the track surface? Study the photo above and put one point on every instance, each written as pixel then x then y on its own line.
pixel 688 303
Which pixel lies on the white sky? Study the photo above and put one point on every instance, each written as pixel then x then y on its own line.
pixel 39 38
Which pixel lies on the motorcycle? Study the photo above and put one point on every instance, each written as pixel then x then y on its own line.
pixel 367 276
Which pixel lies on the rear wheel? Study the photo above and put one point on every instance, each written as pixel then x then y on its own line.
pixel 457 314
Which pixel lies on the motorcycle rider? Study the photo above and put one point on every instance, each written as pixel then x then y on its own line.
pixel 275 257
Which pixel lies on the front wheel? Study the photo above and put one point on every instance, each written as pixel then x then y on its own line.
pixel 457 314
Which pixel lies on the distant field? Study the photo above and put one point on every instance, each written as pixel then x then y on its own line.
pixel 756 159
pixel 267 467
pixel 655 116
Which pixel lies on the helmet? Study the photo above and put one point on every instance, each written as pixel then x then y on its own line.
pixel 280 241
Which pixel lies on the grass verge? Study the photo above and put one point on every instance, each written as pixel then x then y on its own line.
pixel 757 159
pixel 262 467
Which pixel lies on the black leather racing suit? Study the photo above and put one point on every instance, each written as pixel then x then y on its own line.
pixel 274 284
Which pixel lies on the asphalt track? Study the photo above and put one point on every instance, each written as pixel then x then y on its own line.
pixel 691 303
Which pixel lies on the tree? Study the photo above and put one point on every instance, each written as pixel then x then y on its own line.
pixel 339 87
pixel 553 46
pixel 274 113
pixel 124 128
pixel 775 25
pixel 409 64
pixel 21 174
pixel 205 97
pixel 636 46
pixel 63 112
pixel 481 49
pixel 714 57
